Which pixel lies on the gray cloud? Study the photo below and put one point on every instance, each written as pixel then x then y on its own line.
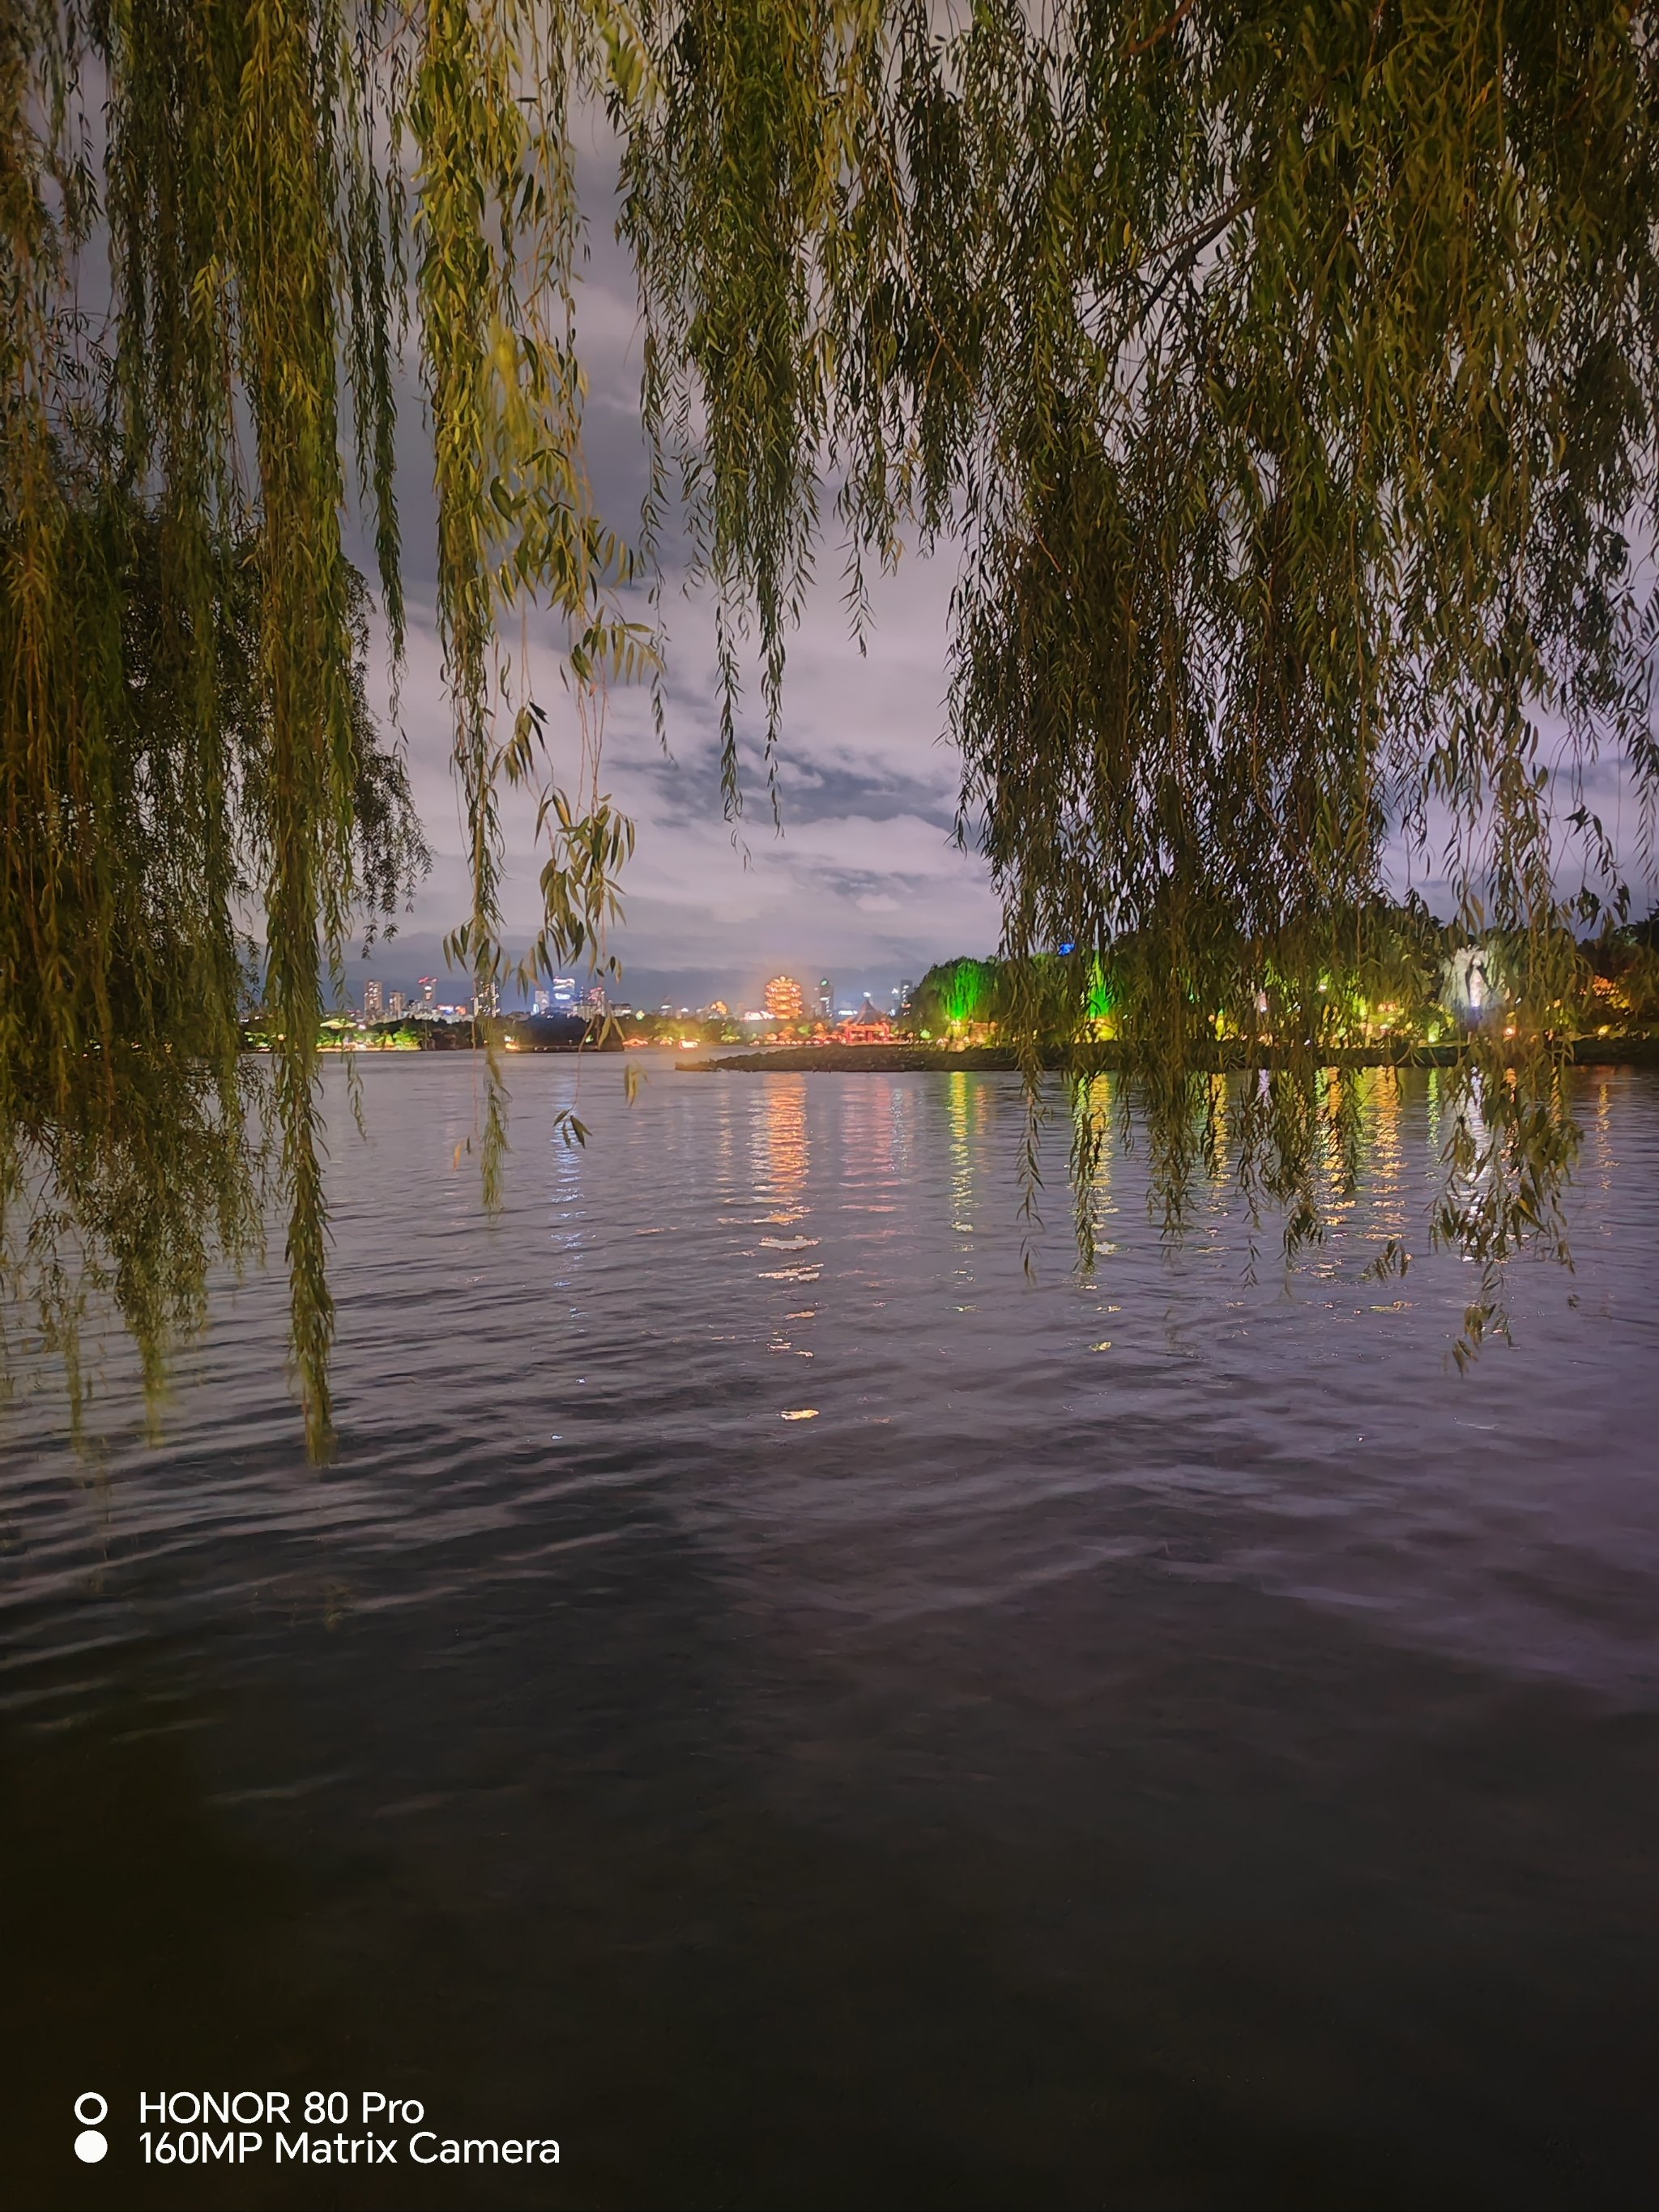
pixel 862 879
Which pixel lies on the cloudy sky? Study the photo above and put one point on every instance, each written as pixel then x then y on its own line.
pixel 861 881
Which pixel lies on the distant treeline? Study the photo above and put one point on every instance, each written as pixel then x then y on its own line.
pixel 517 1032
pixel 1402 975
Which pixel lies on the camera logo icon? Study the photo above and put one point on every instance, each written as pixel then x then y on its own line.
pixel 89 2109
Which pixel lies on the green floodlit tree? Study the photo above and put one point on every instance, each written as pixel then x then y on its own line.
pixel 1283 375
pixel 955 996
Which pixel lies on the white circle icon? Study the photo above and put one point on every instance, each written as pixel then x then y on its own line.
pixel 90 2097
pixel 89 2146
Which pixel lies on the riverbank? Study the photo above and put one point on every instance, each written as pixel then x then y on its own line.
pixel 915 1059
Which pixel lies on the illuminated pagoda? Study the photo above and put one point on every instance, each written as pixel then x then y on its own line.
pixel 783 1000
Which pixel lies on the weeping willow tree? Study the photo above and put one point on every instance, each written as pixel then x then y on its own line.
pixel 239 173
pixel 1286 377
pixel 1282 379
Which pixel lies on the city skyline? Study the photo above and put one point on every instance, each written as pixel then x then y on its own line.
pixel 714 991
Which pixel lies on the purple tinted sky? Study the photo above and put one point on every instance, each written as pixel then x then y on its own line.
pixel 862 882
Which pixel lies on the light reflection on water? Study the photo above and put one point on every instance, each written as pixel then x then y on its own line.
pixel 1160 1738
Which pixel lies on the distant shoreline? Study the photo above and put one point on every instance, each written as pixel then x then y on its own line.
pixel 920 1058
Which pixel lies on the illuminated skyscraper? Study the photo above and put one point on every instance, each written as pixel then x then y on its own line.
pixel 396 1004
pixel 825 1005
pixel 374 1003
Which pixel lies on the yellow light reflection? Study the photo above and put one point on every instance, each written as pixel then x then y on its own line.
pixel 780 1149
pixel 961 1166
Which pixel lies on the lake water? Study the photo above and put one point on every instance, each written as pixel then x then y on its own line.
pixel 777 1699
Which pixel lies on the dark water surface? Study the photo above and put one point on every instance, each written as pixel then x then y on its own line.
pixel 1165 1742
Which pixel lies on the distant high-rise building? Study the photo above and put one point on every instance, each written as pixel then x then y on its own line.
pixel 783 1000
pixel 825 1005
pixel 596 998
pixel 564 991
pixel 904 995
pixel 395 1004
pixel 428 987
pixel 541 1001
pixel 374 1003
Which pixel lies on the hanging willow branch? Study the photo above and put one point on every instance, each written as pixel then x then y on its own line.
pixel 1287 377
pixel 255 211
pixel 1283 377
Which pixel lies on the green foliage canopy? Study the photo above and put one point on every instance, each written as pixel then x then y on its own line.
pixel 956 993
pixel 1284 376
